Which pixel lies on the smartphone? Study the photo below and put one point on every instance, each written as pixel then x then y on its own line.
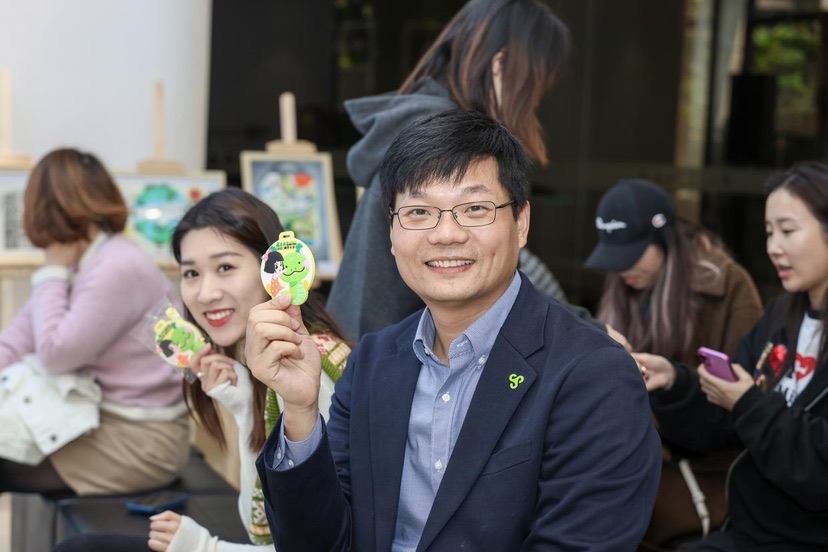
pixel 717 363
pixel 157 502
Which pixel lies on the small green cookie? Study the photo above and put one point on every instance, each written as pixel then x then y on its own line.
pixel 177 340
pixel 288 268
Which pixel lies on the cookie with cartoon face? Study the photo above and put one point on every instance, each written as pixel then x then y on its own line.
pixel 177 340
pixel 288 268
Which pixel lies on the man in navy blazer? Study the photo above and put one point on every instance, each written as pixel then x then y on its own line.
pixel 491 420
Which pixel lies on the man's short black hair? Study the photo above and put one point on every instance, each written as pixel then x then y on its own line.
pixel 443 147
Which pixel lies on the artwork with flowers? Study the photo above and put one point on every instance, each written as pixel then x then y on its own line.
pixel 300 189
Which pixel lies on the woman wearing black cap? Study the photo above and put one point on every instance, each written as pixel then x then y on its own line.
pixel 671 289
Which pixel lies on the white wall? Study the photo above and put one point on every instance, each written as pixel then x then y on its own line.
pixel 82 74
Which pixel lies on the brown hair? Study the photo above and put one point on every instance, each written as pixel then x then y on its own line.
pixel 663 319
pixel 534 44
pixel 67 192
pixel 249 221
pixel 807 181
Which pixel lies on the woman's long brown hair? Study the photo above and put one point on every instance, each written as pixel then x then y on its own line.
pixel 534 45
pixel 664 319
pixel 249 221
pixel 807 181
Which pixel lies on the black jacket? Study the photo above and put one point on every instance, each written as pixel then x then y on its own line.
pixel 778 488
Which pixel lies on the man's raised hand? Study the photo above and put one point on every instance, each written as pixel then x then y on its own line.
pixel 281 354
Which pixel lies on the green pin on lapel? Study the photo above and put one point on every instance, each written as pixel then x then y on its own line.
pixel 515 380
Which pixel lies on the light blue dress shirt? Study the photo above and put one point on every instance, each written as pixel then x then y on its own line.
pixel 441 401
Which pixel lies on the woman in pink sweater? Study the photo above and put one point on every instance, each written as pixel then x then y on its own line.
pixel 95 286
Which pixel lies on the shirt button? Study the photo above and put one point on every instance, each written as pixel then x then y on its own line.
pixel 278 454
pixel 290 463
pixel 438 465
pixel 446 398
pixel 482 360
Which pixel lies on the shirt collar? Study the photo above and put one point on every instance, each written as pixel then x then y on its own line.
pixel 96 244
pixel 481 334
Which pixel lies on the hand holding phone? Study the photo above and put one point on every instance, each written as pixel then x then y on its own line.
pixel 157 502
pixel 717 363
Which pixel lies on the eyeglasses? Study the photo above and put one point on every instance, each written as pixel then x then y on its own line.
pixel 426 217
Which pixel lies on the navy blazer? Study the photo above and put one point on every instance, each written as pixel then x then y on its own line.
pixel 568 460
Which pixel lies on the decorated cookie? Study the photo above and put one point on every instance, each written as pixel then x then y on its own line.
pixel 288 268
pixel 177 340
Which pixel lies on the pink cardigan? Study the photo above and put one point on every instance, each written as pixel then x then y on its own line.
pixel 87 323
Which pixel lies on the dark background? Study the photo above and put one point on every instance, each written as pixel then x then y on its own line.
pixel 613 115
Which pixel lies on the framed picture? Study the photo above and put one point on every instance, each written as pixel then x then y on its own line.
pixel 156 204
pixel 13 240
pixel 299 187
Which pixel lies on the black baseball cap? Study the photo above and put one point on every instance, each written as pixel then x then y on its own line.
pixel 631 216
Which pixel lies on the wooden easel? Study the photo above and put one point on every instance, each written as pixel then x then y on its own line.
pixel 287 126
pixel 9 159
pixel 158 164
pixel 16 268
pixel 289 148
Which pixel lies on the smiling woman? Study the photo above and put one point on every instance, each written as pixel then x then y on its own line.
pixel 219 284
pixel 219 244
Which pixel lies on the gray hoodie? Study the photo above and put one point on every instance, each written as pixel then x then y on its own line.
pixel 368 293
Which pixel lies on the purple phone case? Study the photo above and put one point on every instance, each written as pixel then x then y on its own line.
pixel 717 363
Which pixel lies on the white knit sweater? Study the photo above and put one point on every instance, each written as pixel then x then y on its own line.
pixel 192 537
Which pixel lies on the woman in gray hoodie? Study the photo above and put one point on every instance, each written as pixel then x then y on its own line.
pixel 494 56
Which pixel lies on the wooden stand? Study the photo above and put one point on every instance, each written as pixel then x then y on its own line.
pixel 301 151
pixel 9 159
pixel 289 145
pixel 159 164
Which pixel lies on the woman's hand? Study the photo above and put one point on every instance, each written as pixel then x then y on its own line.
pixel 658 372
pixel 619 337
pixel 213 369
pixel 163 528
pixel 65 254
pixel 722 392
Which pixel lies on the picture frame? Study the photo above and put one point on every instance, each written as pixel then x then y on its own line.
pixel 299 188
pixel 13 240
pixel 156 204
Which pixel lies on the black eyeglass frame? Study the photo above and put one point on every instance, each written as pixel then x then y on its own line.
pixel 440 212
